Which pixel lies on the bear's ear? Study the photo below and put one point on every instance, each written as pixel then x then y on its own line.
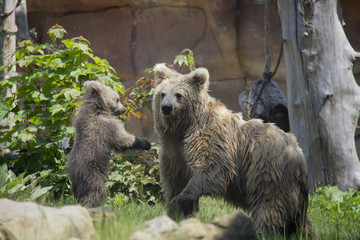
pixel 161 72
pixel 92 88
pixel 200 78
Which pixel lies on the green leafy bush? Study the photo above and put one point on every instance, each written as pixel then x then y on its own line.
pixel 135 177
pixel 338 204
pixel 22 187
pixel 336 213
pixel 47 97
pixel 49 88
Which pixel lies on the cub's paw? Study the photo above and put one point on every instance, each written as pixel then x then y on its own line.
pixel 141 144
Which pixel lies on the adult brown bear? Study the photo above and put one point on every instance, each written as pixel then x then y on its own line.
pixel 205 149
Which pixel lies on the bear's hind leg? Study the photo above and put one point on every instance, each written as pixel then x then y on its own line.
pixel 90 192
pixel 267 219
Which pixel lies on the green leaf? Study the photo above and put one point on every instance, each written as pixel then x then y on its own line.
pixel 181 59
pixel 149 70
pixel 81 46
pixel 3 175
pixel 56 108
pixel 13 183
pixel 186 57
pixel 25 136
pixel 39 191
pixel 35 94
pixel 25 43
pixel 23 62
pixel 71 94
pixel 45 173
pixel 14 187
pixel 191 61
pixel 106 63
pixel 4 109
pixel 42 97
pixel 70 130
pixel 56 32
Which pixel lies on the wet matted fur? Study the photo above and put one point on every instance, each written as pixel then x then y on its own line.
pixel 205 149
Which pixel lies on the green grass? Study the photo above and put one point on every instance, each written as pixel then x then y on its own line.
pixel 126 220
pixel 130 217
pixel 329 226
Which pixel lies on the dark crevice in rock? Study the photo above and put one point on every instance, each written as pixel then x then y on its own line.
pixel 203 34
pixel 94 11
pixel 133 41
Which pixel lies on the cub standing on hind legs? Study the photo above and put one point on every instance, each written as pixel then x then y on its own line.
pixel 98 132
pixel 205 149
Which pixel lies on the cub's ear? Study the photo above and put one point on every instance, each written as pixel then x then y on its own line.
pixel 199 78
pixel 92 88
pixel 161 72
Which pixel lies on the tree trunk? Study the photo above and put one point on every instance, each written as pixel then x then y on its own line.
pixel 8 50
pixel 323 97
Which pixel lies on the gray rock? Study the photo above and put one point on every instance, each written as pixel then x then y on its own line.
pixel 158 228
pixel 26 220
pixel 229 227
pixel 159 225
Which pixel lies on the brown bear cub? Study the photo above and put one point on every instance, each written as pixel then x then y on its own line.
pixel 97 134
pixel 205 149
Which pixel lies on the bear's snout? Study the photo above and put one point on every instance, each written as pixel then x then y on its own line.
pixel 166 109
pixel 121 111
pixel 118 111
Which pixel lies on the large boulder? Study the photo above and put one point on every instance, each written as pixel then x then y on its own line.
pixel 30 221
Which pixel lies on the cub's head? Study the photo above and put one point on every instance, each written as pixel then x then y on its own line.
pixel 105 98
pixel 178 95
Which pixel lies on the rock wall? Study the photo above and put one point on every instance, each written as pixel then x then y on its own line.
pixel 227 37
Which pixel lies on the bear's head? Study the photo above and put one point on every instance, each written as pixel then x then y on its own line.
pixel 103 97
pixel 178 96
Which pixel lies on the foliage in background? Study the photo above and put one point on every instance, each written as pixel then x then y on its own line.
pixel 22 187
pixel 48 94
pixel 335 214
pixel 135 177
pixel 49 88
pixel 137 97
pixel 186 57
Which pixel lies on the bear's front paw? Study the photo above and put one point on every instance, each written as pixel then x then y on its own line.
pixel 142 144
pixel 182 205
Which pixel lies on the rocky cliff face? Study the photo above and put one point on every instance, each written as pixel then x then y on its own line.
pixel 227 37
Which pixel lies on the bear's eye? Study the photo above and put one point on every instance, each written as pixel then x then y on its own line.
pixel 162 95
pixel 178 96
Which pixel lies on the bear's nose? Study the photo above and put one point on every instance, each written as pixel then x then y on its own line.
pixel 122 111
pixel 166 109
pixel 119 112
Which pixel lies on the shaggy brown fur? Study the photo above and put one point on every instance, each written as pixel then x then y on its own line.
pixel 98 132
pixel 208 150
